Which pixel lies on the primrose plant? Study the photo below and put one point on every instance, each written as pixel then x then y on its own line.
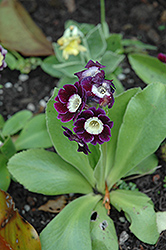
pixel 98 139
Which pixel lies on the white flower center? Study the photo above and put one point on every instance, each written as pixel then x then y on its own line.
pixel 100 91
pixel 92 71
pixel 74 103
pixel 93 126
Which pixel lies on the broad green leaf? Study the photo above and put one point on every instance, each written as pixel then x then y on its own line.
pixel 161 221
pixel 8 148
pixel 4 174
pixel 70 229
pixel 65 80
pixel 148 68
pixel 96 42
pixel 147 166
pixel 65 148
pixel 24 36
pixel 140 213
pixel 69 68
pixel 111 60
pixel 102 229
pixel 15 232
pixel 99 171
pixel 2 121
pixel 142 130
pixel 34 134
pixel 49 173
pixel 137 44
pixel 94 155
pixel 47 66
pixel 114 42
pixel 116 114
pixel 16 122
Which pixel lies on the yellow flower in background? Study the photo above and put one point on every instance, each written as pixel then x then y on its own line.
pixel 70 42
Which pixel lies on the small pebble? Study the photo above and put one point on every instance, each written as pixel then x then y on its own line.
pixel 121 77
pixel 23 77
pixel 122 219
pixel 1 103
pixel 1 91
pixel 27 208
pixel 20 88
pixel 31 107
pixel 126 71
pixel 46 98
pixel 8 85
pixel 130 81
pixel 123 237
pixel 42 103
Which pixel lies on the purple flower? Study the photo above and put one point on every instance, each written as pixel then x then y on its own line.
pixel 2 58
pixel 162 57
pixel 70 101
pixel 82 146
pixel 101 93
pixel 92 72
pixel 93 126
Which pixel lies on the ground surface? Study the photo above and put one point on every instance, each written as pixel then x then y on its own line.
pixel 136 18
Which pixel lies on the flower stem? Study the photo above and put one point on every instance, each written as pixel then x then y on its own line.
pixel 102 12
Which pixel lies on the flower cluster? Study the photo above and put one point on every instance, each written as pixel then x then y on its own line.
pixel 83 103
pixel 2 58
pixel 70 42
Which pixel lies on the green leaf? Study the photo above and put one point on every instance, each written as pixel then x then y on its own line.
pixel 140 213
pixel 65 80
pixel 11 61
pixel 65 148
pixel 47 66
pixel 49 173
pixel 24 36
pixel 34 134
pixel 116 114
pixel 114 42
pixel 69 68
pixel 2 121
pixel 102 229
pixel 142 130
pixel 161 221
pixel 148 68
pixel 99 171
pixel 70 229
pixel 147 166
pixel 8 148
pixel 4 173
pixel 94 155
pixel 16 122
pixel 137 44
pixel 96 42
pixel 111 60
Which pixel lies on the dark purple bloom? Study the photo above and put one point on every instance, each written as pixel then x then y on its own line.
pixel 92 72
pixel 82 146
pixel 93 126
pixel 2 58
pixel 70 101
pixel 101 93
pixel 162 57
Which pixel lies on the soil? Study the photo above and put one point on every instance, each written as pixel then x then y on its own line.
pixel 142 19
